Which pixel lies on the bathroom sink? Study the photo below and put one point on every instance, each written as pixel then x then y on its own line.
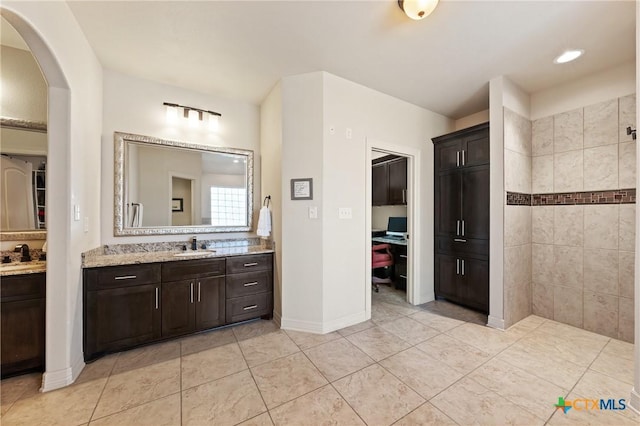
pixel 18 267
pixel 194 253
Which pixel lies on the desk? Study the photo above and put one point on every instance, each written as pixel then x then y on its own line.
pixel 399 252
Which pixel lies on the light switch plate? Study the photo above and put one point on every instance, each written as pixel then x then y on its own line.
pixel 313 212
pixel 344 213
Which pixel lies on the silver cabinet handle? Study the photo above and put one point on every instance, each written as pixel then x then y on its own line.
pixel 191 292
pixel 457 158
pixel 126 277
pixel 459 240
pixel 403 276
pixel 248 308
pixel 246 265
pixel 198 291
pixel 457 266
pixel 463 267
pixel 458 227
pixel 404 256
pixel 463 157
pixel 404 196
pixel 251 284
pixel 463 227
pixel 157 297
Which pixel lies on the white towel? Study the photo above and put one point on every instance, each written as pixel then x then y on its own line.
pixel 264 222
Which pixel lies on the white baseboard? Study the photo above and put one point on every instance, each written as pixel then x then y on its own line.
pixel 301 325
pixel 277 318
pixel 634 401
pixel 343 322
pixel 322 328
pixel 495 322
pixel 52 380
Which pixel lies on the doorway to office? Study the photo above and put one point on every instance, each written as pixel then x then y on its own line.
pixel 391 223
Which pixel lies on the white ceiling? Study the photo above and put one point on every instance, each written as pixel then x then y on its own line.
pixel 240 49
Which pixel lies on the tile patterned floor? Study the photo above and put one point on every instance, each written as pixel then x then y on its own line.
pixel 406 366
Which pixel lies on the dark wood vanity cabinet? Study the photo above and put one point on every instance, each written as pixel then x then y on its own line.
pixel 127 306
pixel 249 287
pixel 389 181
pixel 193 295
pixel 22 312
pixel 462 216
pixel 122 307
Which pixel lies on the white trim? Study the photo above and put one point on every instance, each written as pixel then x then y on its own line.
pixel 277 318
pixel 494 322
pixel 349 320
pixel 301 325
pixel 58 379
pixel 415 292
pixel 634 401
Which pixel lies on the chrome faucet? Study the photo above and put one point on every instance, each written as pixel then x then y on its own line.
pixel 23 249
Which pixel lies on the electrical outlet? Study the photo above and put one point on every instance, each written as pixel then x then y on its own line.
pixel 344 213
pixel 313 212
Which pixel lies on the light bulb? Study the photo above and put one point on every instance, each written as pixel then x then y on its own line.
pixel 568 56
pixel 418 9
pixel 172 114
pixel 194 117
pixel 214 122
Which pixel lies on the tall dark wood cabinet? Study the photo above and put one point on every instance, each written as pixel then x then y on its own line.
pixel 462 216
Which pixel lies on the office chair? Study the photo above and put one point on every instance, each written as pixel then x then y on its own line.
pixel 381 257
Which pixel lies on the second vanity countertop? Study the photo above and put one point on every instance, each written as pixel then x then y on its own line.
pixel 21 268
pixel 99 260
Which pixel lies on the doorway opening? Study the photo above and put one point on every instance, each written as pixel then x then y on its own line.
pixel 392 222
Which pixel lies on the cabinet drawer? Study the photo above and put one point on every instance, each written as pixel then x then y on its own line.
pixel 122 276
pixel 258 262
pixel 244 308
pixel 22 287
pixel 248 283
pixel 473 247
pixel 186 269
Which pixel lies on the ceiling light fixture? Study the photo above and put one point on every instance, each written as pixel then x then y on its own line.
pixel 568 56
pixel 193 115
pixel 417 9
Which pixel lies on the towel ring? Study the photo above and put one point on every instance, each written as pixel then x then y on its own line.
pixel 266 201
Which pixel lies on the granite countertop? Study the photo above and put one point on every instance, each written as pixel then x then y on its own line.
pixel 96 260
pixel 22 268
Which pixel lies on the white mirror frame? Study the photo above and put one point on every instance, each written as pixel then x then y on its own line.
pixel 119 229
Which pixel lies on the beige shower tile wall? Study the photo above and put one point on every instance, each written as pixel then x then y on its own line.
pixel 582 257
pixel 517 219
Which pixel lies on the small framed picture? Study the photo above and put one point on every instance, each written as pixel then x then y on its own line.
pixel 302 189
pixel 177 204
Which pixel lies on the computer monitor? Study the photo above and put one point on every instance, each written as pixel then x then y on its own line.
pixel 397 226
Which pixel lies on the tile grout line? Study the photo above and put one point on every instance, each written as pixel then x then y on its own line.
pixel 254 382
pixel 93 412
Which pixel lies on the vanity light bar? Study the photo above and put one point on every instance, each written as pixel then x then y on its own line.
pixel 188 108
pixel 193 115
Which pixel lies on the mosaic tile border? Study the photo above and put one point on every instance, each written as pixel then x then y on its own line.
pixel 518 199
pixel 618 196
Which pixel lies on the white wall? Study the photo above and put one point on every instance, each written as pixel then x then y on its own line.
pixel 74 76
pixel 271 148
pixel 134 105
pixel 611 83
pixel 380 215
pixel 325 259
pixel 302 238
pixel 471 120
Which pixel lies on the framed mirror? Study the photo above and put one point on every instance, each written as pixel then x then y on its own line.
pixel 165 187
pixel 23 155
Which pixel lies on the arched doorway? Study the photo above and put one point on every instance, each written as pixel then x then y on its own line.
pixel 59 362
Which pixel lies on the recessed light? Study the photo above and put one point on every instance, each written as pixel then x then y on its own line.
pixel 568 56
